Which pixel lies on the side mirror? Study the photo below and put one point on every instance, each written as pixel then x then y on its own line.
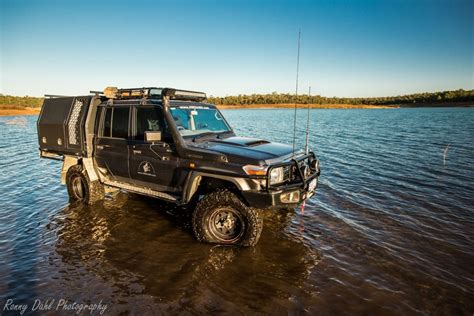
pixel 152 136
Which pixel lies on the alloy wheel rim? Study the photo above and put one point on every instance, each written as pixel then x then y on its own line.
pixel 226 224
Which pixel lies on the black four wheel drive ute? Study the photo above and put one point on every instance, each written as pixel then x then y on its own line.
pixel 169 144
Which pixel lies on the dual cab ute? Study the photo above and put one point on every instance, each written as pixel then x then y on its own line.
pixel 170 144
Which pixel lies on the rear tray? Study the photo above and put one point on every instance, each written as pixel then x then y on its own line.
pixel 61 125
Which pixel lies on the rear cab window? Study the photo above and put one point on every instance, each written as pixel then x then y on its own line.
pixel 116 122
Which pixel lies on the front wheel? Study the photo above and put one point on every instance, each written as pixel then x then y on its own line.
pixel 222 218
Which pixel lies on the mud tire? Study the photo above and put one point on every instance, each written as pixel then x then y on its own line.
pixel 208 220
pixel 80 188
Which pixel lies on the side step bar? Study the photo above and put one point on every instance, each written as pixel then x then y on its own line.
pixel 140 190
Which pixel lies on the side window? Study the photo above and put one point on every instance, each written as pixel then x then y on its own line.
pixel 107 123
pixel 120 122
pixel 149 119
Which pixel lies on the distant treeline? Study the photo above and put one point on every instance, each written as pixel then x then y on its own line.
pixel 282 98
pixel 7 101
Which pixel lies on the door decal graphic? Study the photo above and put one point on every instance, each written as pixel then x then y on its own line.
pixel 146 168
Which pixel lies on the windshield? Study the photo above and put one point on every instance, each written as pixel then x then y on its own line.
pixel 195 120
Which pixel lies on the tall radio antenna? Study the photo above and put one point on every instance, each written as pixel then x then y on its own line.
pixel 306 147
pixel 296 92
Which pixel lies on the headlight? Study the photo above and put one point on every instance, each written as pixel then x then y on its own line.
pixel 276 175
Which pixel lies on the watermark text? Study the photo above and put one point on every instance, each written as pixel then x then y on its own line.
pixel 61 304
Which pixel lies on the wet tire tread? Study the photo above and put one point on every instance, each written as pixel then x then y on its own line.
pixel 252 217
pixel 94 189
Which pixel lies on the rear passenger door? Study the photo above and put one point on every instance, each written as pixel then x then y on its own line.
pixel 111 149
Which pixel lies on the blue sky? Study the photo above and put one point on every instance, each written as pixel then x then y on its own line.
pixel 349 48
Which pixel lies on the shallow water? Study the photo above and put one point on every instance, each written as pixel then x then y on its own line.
pixel 389 231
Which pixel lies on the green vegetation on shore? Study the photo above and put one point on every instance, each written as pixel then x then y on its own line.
pixel 11 102
pixel 417 99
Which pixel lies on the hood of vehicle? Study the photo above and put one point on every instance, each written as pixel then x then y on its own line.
pixel 246 150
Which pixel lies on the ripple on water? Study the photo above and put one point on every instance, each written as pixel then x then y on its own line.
pixel 390 230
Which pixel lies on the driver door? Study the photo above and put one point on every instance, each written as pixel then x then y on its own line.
pixel 152 163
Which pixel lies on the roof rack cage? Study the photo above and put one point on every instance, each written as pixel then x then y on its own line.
pixel 151 93
pixel 137 93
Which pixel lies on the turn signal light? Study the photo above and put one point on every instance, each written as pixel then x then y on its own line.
pixel 253 170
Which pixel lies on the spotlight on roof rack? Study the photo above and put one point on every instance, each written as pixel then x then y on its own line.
pixel 176 94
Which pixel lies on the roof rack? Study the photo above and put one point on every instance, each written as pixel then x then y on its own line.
pixel 151 93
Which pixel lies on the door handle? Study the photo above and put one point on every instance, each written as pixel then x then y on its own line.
pixel 160 144
pixel 137 152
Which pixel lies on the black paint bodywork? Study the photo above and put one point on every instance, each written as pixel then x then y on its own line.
pixel 122 157
pixel 172 164
pixel 60 125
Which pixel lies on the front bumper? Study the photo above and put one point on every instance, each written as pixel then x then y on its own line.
pixel 273 198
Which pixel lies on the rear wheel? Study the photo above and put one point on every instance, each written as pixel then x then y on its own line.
pixel 80 188
pixel 222 218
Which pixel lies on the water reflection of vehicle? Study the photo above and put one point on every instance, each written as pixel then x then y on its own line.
pixel 134 257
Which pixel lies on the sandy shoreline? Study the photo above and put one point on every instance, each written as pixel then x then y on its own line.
pixel 17 112
pixel 304 106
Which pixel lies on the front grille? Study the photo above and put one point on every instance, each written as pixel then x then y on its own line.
pixel 295 171
pixel 294 174
pixel 287 174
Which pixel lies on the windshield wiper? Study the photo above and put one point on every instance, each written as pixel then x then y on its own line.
pixel 222 133
pixel 202 135
pixel 218 134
